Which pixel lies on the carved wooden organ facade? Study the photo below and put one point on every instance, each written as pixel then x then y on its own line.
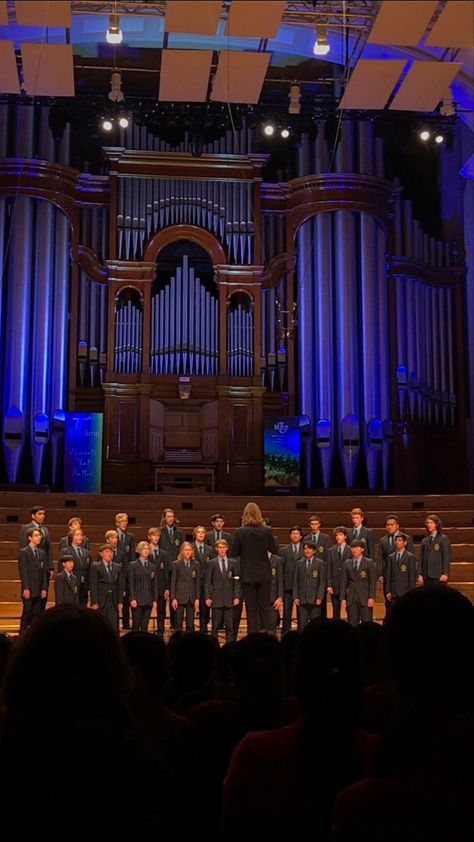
pixel 186 298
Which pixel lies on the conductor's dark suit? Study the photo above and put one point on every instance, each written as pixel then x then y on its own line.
pixel 142 582
pixel 203 553
pixel 160 559
pixel 335 561
pixel 309 586
pixel 435 558
pixel 82 562
pixel 289 559
pixel 222 586
pixel 357 587
pixel 400 574
pixel 366 536
pixel 66 588
pixel 185 588
pixel 251 545
pixel 34 576
pixel 107 589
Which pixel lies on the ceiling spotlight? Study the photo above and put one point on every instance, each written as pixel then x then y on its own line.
pixel 107 125
pixel 123 122
pixel 114 33
pixel 439 137
pixel 425 134
pixel 321 44
pixel 116 94
pixel 269 129
pixel 285 133
pixel 295 99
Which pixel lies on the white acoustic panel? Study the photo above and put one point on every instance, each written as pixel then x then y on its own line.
pixel 402 23
pixel 48 69
pixel 36 13
pixel 239 77
pixel 455 26
pixel 184 75
pixel 371 83
pixel 251 18
pixel 9 82
pixel 199 17
pixel 3 13
pixel 424 85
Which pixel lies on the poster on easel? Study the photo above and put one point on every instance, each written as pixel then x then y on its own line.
pixel 83 452
pixel 282 453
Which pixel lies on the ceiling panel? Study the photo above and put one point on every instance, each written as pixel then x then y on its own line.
pixel 43 14
pixel 239 77
pixel 371 83
pixel 199 17
pixel 454 27
pixel 254 19
pixel 48 69
pixel 401 22
pixel 184 75
pixel 3 13
pixel 424 85
pixel 9 83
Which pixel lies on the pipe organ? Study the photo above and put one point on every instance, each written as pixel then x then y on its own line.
pixel 190 285
pixel 184 325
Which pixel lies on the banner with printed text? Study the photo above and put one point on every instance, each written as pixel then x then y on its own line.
pixel 83 452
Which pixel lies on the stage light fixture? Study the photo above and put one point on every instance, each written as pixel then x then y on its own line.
pixel 321 44
pixel 123 122
pixel 425 135
pixel 439 138
pixel 107 125
pixel 295 99
pixel 285 133
pixel 269 129
pixel 114 33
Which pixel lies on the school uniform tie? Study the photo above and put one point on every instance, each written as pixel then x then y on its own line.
pixel 339 552
pixel 356 565
pixel 223 567
pixel 201 552
pixel 295 549
pixel 308 564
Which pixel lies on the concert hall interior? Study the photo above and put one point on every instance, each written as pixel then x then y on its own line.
pixel 236 414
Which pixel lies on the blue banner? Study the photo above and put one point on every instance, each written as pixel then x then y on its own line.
pixel 282 452
pixel 83 452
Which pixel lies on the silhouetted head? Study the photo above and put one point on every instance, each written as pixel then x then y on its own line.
pixel 428 639
pixel 148 656
pixel 328 671
pixel 68 660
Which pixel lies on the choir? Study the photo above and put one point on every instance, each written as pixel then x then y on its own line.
pixel 166 576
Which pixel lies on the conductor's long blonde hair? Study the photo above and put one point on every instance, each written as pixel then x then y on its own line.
pixel 252 516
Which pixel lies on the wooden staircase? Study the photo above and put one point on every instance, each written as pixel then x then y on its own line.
pixel 98 511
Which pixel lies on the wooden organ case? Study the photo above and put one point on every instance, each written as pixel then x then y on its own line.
pixel 183 392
